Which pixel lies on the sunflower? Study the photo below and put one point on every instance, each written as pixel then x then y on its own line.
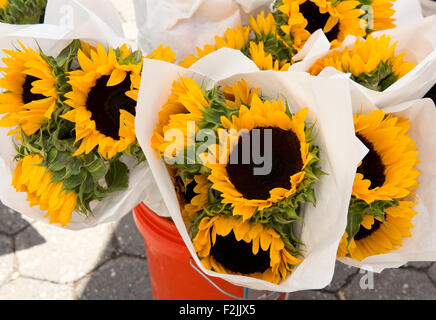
pixel 291 24
pixel 160 53
pixel 30 92
pixel 270 42
pixel 185 104
pixel 264 60
pixel 239 94
pixel 379 14
pixel 103 98
pixel 194 197
pixel 379 216
pixel 376 236
pixel 238 183
pixel 32 177
pixel 371 62
pixel 337 19
pixel 236 38
pixel 387 172
pixel 230 245
pixel 263 26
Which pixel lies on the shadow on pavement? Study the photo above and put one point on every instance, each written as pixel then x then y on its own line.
pixel 124 274
pixel 12 223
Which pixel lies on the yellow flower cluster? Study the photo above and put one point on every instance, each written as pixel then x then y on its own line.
pixel 272 40
pixel 221 204
pixel 72 124
pixel 386 175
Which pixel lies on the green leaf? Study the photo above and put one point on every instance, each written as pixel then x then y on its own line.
pixel 74 181
pixel 67 54
pixel 354 219
pixel 97 169
pixel 61 161
pixel 358 208
pixel 117 177
pixel 378 80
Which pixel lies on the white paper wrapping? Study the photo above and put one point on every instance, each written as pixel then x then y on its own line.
pixel 407 12
pixel 52 39
pixel 186 24
pixel 329 104
pixel 421 246
pixel 80 15
pixel 418 41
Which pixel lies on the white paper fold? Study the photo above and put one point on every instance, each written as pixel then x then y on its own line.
pixel 52 39
pixel 329 103
pixel 421 246
pixel 87 20
pixel 184 25
pixel 80 15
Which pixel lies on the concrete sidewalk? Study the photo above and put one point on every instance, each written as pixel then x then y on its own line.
pixel 38 261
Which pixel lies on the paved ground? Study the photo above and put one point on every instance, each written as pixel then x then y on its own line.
pixel 38 261
pixel 108 262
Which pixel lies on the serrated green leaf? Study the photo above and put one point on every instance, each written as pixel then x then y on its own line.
pixel 117 177
pixel 358 208
pixel 64 59
pixel 61 161
pixel 59 175
pixel 97 169
pixel 85 190
pixel 74 181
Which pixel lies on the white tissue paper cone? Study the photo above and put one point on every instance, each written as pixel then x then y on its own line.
pixel 87 19
pixel 329 104
pixel 52 39
pixel 419 43
pixel 184 25
pixel 421 246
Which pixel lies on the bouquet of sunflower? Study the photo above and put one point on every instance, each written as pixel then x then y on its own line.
pixel 274 40
pixel 70 155
pixel 260 221
pixel 278 36
pixel 390 67
pixel 390 218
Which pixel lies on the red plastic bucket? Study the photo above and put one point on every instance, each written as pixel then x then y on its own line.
pixel 169 262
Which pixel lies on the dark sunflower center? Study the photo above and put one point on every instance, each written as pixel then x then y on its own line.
pixel 237 256
pixel 317 20
pixel 372 167
pixel 105 104
pixel 431 94
pixel 363 232
pixel 285 160
pixel 189 192
pixel 27 95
